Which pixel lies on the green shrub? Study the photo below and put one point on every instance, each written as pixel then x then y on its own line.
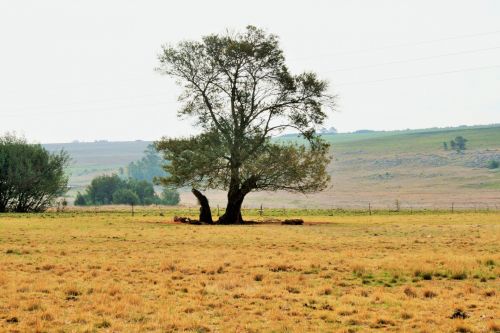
pixel 170 197
pixel 80 200
pixel 493 164
pixel 125 197
pixel 31 178
pixel 111 189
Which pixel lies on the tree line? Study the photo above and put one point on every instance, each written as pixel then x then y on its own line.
pixel 133 186
pixel 111 189
pixel 149 167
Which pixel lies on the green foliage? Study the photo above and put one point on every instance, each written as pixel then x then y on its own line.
pixel 241 93
pixel 80 200
pixel 101 189
pixel 147 168
pixel 458 144
pixel 125 196
pixel 111 189
pixel 170 197
pixel 493 164
pixel 144 190
pixel 197 162
pixel 31 178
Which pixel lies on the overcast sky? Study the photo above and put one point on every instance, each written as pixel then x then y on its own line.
pixel 83 70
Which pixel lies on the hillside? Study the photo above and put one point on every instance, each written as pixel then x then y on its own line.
pixel 90 159
pixel 375 168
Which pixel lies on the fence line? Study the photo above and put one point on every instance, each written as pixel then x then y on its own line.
pixel 261 210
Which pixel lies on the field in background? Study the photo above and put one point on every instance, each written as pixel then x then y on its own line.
pixel 90 159
pixel 374 168
pixel 82 271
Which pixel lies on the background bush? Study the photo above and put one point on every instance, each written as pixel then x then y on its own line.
pixel 493 164
pixel 111 189
pixel 31 178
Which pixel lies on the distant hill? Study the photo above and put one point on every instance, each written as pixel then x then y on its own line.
pixel 376 167
pixel 94 158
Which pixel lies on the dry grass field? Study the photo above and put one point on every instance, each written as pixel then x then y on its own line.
pixel 110 272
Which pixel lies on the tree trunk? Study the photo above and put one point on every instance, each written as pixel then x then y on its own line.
pixel 205 212
pixel 232 214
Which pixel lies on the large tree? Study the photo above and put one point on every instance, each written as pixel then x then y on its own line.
pixel 240 92
pixel 31 178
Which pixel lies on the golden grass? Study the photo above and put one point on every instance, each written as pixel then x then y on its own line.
pixel 79 272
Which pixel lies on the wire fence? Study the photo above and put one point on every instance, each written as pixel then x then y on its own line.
pixel 364 208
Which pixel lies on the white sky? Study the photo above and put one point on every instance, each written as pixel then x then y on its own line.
pixel 83 70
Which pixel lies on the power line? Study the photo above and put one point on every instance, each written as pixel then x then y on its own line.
pixel 103 107
pixel 419 75
pixel 107 108
pixel 423 42
pixel 339 84
pixel 117 82
pixel 414 59
pixel 82 102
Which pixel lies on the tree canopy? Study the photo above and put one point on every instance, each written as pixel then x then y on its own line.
pixel 148 167
pixel 111 189
pixel 125 196
pixel 240 92
pixel 458 144
pixel 31 178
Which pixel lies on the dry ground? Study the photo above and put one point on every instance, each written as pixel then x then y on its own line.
pixel 382 178
pixel 79 272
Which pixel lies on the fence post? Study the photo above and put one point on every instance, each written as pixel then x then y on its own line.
pixel 398 205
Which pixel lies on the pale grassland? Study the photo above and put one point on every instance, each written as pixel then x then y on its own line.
pixel 110 272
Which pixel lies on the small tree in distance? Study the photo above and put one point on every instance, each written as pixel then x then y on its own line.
pixel 80 200
pixel 493 164
pixel 148 167
pixel 241 93
pixel 125 197
pixel 170 197
pixel 458 144
pixel 103 191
